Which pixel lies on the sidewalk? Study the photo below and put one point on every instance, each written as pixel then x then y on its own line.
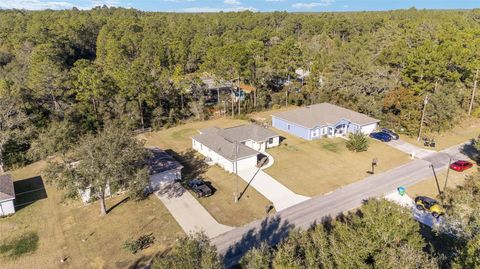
pixel 410 149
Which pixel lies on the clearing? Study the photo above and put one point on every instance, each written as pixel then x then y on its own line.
pixel 76 231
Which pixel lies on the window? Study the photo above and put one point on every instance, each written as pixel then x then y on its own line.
pixel 288 127
pixel 270 141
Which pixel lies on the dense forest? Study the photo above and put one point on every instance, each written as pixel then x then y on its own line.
pixel 65 73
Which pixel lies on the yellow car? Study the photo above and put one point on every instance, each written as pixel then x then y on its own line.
pixel 430 205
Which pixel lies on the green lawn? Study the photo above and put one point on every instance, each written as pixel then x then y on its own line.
pixel 320 166
pixel 76 231
pixel 466 130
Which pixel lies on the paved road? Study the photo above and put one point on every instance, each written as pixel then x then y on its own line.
pixel 281 196
pixel 188 212
pixel 271 230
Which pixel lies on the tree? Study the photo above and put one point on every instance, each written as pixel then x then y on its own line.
pixel 12 124
pixel 193 251
pixel 260 257
pixel 357 142
pixel 112 160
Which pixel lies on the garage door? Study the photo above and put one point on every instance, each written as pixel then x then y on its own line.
pixel 162 179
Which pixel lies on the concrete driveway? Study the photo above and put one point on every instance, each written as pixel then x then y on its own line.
pixel 408 148
pixel 281 196
pixel 188 212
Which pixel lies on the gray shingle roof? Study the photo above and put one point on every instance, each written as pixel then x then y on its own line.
pixel 161 161
pixel 222 140
pixel 7 191
pixel 323 114
pixel 253 132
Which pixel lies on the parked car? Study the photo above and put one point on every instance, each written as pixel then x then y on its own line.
pixel 461 165
pixel 391 133
pixel 199 187
pixel 381 136
pixel 430 205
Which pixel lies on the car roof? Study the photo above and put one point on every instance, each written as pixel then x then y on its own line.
pixel 427 199
pixel 462 162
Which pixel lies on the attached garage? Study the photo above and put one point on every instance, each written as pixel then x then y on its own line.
pixel 164 169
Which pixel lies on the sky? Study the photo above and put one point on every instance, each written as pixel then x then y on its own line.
pixel 240 5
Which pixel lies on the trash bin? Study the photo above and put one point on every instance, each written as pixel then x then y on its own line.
pixel 401 191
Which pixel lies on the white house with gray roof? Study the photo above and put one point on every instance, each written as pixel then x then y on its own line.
pixel 323 120
pixel 218 145
pixel 7 195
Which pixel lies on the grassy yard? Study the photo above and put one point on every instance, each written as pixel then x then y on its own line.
pixel 318 167
pixel 221 205
pixel 466 130
pixel 428 187
pixel 76 232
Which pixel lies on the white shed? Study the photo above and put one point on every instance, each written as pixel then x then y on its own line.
pixel 7 195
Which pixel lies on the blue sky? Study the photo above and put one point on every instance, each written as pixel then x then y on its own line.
pixel 239 5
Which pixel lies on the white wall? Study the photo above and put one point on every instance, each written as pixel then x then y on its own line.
pixel 275 142
pixel 7 208
pixel 369 128
pixel 247 163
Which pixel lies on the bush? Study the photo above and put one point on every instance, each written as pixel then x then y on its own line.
pixel 143 242
pixel 22 245
pixel 357 142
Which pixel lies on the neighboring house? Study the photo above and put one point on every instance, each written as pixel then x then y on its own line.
pixel 7 195
pixel 163 169
pixel 323 120
pixel 218 145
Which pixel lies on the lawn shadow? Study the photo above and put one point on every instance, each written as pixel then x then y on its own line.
pixel 470 151
pixel 193 167
pixel 272 231
pixel 28 191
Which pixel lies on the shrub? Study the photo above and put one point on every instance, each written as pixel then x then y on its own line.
pixel 22 245
pixel 143 242
pixel 357 142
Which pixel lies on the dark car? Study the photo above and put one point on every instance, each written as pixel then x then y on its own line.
pixel 391 133
pixel 199 187
pixel 461 166
pixel 381 136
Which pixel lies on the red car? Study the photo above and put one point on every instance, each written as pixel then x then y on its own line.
pixel 461 165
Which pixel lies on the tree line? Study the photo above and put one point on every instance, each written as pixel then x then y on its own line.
pixel 84 68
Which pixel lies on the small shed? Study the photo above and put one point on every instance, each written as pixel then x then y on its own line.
pixel 7 195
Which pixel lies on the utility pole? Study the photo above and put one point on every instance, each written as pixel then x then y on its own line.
pixel 233 103
pixel 425 102
pixel 236 170
pixel 473 93
pixel 239 95
pixel 448 171
pixel 436 180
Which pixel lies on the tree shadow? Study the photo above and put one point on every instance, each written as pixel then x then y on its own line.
pixel 171 190
pixel 193 166
pixel 124 200
pixel 28 191
pixel 470 151
pixel 272 231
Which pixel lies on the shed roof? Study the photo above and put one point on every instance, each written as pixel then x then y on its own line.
pixel 161 162
pixel 323 114
pixel 7 191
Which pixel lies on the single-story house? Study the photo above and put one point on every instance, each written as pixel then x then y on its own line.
pixel 250 140
pixel 7 195
pixel 163 169
pixel 323 120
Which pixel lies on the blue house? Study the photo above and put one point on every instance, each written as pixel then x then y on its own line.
pixel 323 120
